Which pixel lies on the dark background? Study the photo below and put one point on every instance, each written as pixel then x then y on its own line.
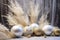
pixel 4 10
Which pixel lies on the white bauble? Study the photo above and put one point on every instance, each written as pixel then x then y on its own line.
pixel 17 30
pixel 47 29
pixel 34 25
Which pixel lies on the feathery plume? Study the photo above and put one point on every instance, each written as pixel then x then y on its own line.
pixel 4 33
pixel 33 12
pixel 43 20
pixel 11 19
pixel 20 16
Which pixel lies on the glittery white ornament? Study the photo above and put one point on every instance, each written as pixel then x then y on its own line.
pixel 47 29
pixel 17 30
pixel 34 25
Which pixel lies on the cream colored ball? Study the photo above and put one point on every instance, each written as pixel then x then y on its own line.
pixel 28 30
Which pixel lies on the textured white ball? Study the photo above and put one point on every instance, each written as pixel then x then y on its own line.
pixel 34 25
pixel 17 30
pixel 47 29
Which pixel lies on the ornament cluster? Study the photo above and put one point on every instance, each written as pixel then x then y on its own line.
pixel 33 30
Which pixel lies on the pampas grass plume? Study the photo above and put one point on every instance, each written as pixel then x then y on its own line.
pixel 5 33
